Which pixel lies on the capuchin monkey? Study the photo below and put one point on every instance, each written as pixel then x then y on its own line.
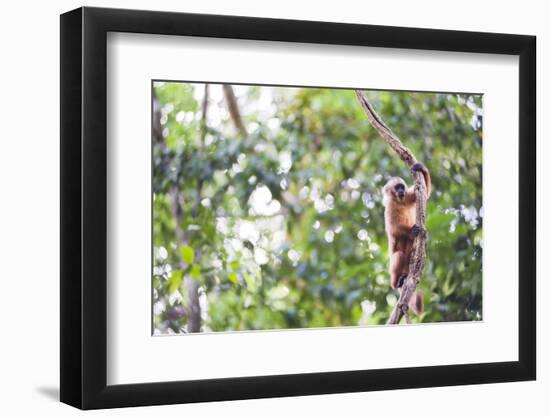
pixel 400 216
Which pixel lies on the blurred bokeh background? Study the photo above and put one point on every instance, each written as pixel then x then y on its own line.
pixel 267 206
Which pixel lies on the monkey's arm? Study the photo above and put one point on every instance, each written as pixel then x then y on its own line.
pixel 419 166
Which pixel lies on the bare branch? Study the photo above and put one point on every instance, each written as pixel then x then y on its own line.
pixel 233 108
pixel 418 256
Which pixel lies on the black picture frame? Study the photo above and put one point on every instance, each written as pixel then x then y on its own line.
pixel 84 207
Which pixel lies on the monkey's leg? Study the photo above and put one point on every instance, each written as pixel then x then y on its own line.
pixel 398 267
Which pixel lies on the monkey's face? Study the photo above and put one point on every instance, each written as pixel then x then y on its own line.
pixel 395 189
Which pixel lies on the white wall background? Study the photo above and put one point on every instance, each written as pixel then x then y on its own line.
pixel 29 213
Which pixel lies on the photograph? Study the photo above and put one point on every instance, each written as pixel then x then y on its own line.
pixel 283 207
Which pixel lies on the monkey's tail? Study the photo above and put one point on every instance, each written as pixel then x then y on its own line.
pixel 416 302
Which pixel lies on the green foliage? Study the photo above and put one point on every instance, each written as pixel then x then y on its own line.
pixel 187 254
pixel 284 228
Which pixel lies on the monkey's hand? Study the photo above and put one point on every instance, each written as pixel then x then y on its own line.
pixel 415 231
pixel 418 167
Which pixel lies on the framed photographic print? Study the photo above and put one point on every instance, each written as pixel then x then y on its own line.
pixel 256 208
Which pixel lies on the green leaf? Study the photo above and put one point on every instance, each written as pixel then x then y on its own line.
pixel 175 279
pixel 233 277
pixel 187 254
pixel 196 271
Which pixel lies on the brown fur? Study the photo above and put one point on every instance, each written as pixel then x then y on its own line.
pixel 400 216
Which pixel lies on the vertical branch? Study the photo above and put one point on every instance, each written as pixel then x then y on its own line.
pixel 191 284
pixel 194 307
pixel 157 128
pixel 418 256
pixel 203 132
pixel 233 108
pixel 204 127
